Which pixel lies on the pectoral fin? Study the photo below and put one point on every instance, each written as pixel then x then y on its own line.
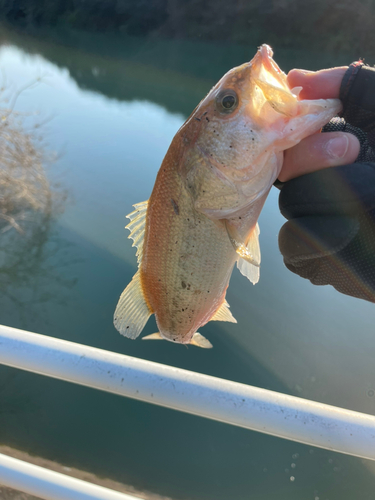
pixel 250 251
pixel 246 267
pixel 132 311
pixel 197 340
pixel 249 254
pixel 248 270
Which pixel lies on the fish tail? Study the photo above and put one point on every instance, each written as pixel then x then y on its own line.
pixel 132 311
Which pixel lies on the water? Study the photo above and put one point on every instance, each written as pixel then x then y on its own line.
pixel 112 108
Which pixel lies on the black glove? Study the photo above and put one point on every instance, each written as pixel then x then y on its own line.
pixel 330 235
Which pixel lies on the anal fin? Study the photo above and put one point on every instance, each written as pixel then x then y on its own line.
pixel 132 311
pixel 197 340
pixel 200 341
pixel 223 314
pixel 153 336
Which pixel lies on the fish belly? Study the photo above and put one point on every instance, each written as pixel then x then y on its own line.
pixel 187 261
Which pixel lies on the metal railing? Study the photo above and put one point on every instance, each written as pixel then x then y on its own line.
pixel 51 485
pixel 288 417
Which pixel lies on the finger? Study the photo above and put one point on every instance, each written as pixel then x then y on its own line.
pixel 317 152
pixel 324 84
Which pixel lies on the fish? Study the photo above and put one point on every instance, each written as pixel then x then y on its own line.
pixel 201 218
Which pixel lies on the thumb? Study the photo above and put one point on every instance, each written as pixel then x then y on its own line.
pixel 319 151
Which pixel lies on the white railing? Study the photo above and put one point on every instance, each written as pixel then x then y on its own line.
pixel 51 485
pixel 237 404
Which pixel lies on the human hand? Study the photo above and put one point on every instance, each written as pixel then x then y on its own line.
pixel 318 151
pixel 330 234
pixel 329 237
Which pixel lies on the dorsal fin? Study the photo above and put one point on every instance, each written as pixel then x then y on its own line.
pixel 132 311
pixel 137 227
pixel 246 268
pixel 223 314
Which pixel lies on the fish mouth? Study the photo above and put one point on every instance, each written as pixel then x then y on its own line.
pixel 269 71
pixel 270 84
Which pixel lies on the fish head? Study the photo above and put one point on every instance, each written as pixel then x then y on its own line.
pixel 240 132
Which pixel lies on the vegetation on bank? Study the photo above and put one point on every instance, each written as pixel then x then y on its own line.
pixel 25 189
pixel 329 24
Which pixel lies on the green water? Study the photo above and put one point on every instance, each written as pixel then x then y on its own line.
pixel 111 108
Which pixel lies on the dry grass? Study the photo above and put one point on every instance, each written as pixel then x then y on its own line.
pixel 9 494
pixel 24 187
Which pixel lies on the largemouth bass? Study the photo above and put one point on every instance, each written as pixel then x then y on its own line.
pixel 202 215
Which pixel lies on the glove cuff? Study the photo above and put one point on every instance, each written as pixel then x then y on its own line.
pixel 358 97
pixel 348 80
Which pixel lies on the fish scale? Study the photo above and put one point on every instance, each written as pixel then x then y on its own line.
pixel 202 214
pixel 188 261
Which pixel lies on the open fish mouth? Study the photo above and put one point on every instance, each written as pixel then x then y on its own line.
pixel 269 71
pixel 268 78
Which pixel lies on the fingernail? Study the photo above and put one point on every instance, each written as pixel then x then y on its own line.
pixel 337 147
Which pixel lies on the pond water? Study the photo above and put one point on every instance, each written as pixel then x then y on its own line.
pixel 111 108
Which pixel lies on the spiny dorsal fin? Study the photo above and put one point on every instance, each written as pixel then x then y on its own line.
pixel 223 314
pixel 137 227
pixel 132 311
pixel 246 268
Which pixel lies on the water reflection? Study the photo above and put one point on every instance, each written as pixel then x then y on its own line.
pixel 30 270
pixel 115 125
pixel 29 205
pixel 119 71
pixel 174 74
pixel 24 186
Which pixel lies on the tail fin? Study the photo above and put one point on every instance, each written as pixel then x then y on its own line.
pixel 132 311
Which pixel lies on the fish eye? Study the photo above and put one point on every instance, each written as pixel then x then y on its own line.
pixel 227 101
